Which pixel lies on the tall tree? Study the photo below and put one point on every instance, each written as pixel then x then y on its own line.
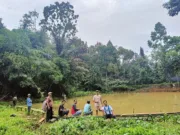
pixel 29 20
pixel 1 24
pixel 61 21
pixel 158 36
pixel 142 52
pixel 159 45
pixel 173 7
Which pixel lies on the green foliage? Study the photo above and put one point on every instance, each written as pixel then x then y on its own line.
pixel 80 93
pixel 61 21
pixel 14 125
pixel 25 66
pixel 1 24
pixel 118 85
pixel 93 125
pixel 163 53
pixel 88 125
pixel 173 7
pixel 29 20
pixel 141 52
pixel 158 36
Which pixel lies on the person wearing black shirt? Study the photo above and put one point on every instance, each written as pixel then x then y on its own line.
pixel 62 111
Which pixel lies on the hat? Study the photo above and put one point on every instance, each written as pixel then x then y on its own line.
pixel 49 93
pixel 29 95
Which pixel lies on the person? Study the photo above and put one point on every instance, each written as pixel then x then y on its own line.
pixel 87 109
pixel 14 101
pixel 62 111
pixel 97 101
pixel 64 96
pixel 49 103
pixel 108 110
pixel 74 110
pixel 29 103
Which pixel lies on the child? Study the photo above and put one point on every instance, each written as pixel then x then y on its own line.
pixel 29 103
pixel 14 101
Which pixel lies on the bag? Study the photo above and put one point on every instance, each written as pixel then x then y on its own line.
pixel 44 106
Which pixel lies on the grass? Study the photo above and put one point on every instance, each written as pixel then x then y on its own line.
pixel 14 125
pixel 20 125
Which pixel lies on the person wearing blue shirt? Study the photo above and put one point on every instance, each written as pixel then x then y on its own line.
pixel 107 110
pixel 87 109
pixel 29 103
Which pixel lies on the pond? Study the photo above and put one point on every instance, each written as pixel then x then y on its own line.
pixel 127 103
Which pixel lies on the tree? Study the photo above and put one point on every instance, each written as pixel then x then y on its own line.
pixel 173 56
pixel 1 24
pixel 173 7
pixel 61 21
pixel 159 44
pixel 75 48
pixel 158 36
pixel 125 54
pixel 142 52
pixel 29 20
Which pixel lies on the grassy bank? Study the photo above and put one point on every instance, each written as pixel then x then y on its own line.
pixel 18 125
pixel 21 125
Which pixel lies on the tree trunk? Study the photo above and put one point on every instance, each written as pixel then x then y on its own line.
pixel 106 80
pixel 59 46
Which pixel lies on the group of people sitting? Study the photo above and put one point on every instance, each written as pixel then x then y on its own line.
pixel 74 110
pixel 106 109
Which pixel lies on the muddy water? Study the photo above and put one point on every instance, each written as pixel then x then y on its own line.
pixel 127 103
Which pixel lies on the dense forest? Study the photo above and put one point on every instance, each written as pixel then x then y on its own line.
pixel 46 55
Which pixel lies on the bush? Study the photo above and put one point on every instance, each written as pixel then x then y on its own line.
pixel 122 88
pixel 81 93
pixel 97 126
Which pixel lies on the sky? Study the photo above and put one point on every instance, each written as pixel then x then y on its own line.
pixel 126 23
